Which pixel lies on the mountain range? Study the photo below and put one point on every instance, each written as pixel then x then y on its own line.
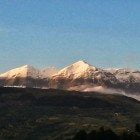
pixel 79 76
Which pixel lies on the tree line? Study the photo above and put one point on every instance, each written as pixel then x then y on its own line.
pixel 108 134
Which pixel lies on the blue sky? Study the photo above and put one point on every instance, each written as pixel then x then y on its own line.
pixel 59 32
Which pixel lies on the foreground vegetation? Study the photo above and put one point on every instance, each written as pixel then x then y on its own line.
pixel 108 134
pixel 34 114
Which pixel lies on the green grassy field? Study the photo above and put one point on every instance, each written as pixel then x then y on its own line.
pixel 35 114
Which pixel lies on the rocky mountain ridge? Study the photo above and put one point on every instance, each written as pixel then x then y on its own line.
pixel 79 74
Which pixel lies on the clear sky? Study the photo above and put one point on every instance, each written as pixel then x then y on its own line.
pixel 105 33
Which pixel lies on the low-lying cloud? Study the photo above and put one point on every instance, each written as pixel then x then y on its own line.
pixel 112 91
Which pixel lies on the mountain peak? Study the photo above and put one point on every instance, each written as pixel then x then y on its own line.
pixel 76 70
pixel 81 62
pixel 27 67
pixel 22 71
pixel 24 66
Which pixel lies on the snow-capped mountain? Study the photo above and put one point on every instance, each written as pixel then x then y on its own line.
pixel 26 76
pixel 77 70
pixel 82 73
pixel 24 71
pixel 126 74
pixel 79 76
pixel 129 79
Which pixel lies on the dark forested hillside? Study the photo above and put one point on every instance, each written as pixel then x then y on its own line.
pixel 56 114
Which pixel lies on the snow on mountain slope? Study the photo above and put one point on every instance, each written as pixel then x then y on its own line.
pixel 27 76
pixel 79 75
pixel 24 71
pixel 82 73
pixel 77 70
pixel 124 75
pixel 29 71
pixel 105 77
pixel 84 70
